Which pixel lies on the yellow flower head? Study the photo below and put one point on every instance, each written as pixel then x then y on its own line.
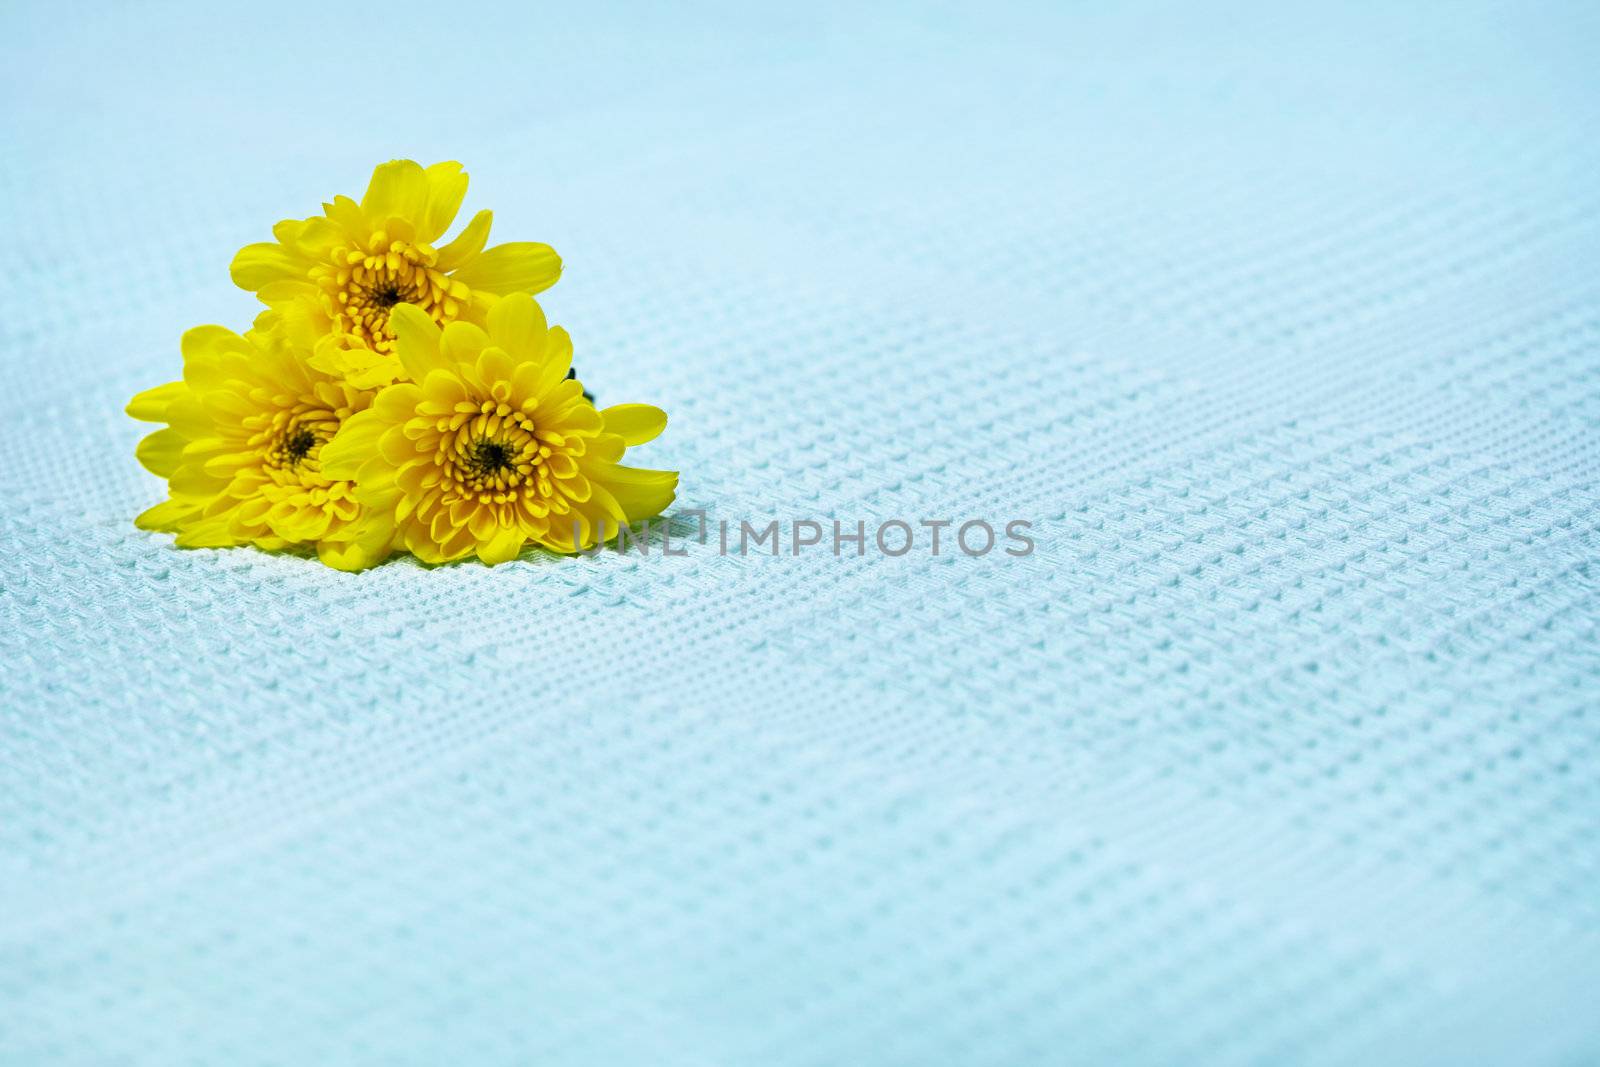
pixel 491 446
pixel 242 451
pixel 332 280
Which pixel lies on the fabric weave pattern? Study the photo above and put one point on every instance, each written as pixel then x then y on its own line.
pixel 1280 325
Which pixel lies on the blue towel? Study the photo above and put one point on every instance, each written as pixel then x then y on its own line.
pixel 1278 325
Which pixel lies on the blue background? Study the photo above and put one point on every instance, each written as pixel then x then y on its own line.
pixel 1278 321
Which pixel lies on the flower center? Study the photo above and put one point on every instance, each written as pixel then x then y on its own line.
pixel 362 284
pixel 491 456
pixel 298 444
pixel 485 457
pixel 291 441
pixel 386 295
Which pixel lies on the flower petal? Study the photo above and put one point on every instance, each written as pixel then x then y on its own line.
pixel 212 533
pixel 361 368
pixel 494 366
pixel 461 343
pixel 468 243
pixel 286 291
pixel 191 481
pixel 372 546
pixel 566 406
pixel 447 187
pixel 520 266
pixel 205 342
pixel 602 504
pixel 443 390
pixel 556 362
pixel 346 214
pixel 166 515
pixel 398 189
pixel 416 341
pixel 151 405
pixel 636 424
pixel 188 417
pixel 313 238
pixel 161 452
pixel 604 448
pixel 259 264
pixel 399 402
pixel 641 493
pixel 517 325
pixel 355 442
pixel 503 546
pixel 395 447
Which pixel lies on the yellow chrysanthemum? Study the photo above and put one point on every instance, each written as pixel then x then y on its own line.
pixel 491 446
pixel 242 451
pixel 331 281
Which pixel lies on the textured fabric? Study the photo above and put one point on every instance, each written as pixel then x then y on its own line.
pixel 1279 324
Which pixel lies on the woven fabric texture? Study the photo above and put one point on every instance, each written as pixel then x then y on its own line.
pixel 1278 322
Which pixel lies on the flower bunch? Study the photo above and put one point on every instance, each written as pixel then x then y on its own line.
pixel 396 395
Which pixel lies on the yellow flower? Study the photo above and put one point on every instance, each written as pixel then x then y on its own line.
pixel 331 280
pixel 491 446
pixel 242 449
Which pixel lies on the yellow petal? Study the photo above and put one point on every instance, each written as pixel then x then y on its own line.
pixel 222 465
pixel 395 447
pixel 458 545
pixel 399 189
pixel 576 487
pixel 161 452
pixel 209 342
pixel 494 366
pixel 207 352
pixel 151 405
pixel 346 555
pixel 444 390
pixel 260 264
pixel 304 524
pixel 314 238
pixel 398 403
pixel 375 481
pixel 558 538
pixel 556 361
pixel 300 318
pixel 416 341
pixel 354 444
pixel 567 408
pixel 520 266
pixel 503 546
pixel 602 505
pixel 254 511
pixel 641 493
pixel 376 376
pixel 636 424
pixel 212 533
pixel 604 448
pixel 189 418
pixel 191 480
pixel 361 368
pixel 165 515
pixel 447 186
pixel 374 540
pixel 517 324
pixel 468 243
pixel 288 231
pixel 346 215
pixel 482 524
pixel 461 343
